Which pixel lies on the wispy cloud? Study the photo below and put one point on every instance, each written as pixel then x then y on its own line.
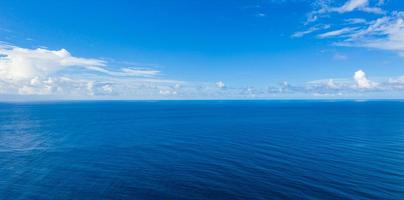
pixel 356 21
pixel 362 5
pixel 336 33
pixel 339 56
pixel 385 32
pixel 311 30
pixel 323 7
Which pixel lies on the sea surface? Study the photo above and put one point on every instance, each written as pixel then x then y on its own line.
pixel 202 150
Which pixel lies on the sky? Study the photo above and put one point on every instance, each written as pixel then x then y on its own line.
pixel 222 49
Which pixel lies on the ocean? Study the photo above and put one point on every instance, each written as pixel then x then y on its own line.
pixel 202 150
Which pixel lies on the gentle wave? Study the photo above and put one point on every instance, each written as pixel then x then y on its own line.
pixel 202 150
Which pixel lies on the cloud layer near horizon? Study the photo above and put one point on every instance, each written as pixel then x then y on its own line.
pixel 59 74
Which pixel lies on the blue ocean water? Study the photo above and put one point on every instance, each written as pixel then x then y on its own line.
pixel 202 150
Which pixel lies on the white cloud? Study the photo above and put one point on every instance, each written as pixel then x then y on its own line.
pixel 362 81
pixel 356 21
pixel 384 33
pixel 310 30
pixel 336 33
pixel 166 92
pixel 331 83
pixel 220 84
pixel 392 29
pixel 359 85
pixel 327 86
pixel 19 63
pixel 351 5
pixel 362 5
pixel 124 71
pixel 57 73
pixel 324 7
pixel 107 88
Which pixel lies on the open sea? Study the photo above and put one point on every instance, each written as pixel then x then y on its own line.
pixel 202 150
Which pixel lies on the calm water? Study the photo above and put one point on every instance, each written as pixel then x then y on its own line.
pixel 202 150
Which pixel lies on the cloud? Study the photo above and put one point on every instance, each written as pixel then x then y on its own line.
pixel 57 74
pixel 324 7
pixel 339 56
pixel 60 74
pixel 310 30
pixel 362 81
pixel 384 33
pixel 107 88
pixel 356 21
pixel 335 33
pixel 124 71
pixel 19 63
pixel 220 84
pixel 360 85
pixel 362 5
pixel 352 5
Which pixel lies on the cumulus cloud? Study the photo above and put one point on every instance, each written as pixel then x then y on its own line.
pixel 220 84
pixel 362 81
pixel 358 86
pixel 20 63
pixel 42 71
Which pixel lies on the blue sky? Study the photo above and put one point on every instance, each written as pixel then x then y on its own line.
pixel 201 49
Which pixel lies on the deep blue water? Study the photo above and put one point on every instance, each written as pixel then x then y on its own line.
pixel 202 150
